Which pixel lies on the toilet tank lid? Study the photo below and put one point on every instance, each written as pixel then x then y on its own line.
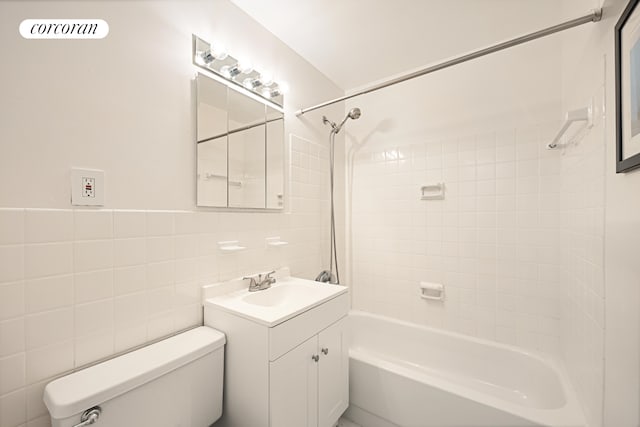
pixel 92 386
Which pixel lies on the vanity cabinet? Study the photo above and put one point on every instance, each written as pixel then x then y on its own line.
pixel 291 374
pixel 309 385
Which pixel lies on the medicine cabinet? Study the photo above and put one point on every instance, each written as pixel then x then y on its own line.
pixel 240 149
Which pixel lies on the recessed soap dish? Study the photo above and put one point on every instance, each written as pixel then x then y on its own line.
pixel 432 291
pixel 432 191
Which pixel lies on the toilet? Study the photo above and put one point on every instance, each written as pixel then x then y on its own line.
pixel 174 382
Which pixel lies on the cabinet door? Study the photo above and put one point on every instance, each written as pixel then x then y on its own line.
pixel 294 387
pixel 333 375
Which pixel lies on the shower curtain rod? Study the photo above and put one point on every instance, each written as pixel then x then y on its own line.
pixel 593 16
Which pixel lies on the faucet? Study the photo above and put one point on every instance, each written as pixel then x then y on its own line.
pixel 260 283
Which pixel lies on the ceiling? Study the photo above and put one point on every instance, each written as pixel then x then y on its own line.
pixel 359 42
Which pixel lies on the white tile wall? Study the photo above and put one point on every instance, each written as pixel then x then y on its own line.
pixel 78 286
pixel 493 241
pixel 582 268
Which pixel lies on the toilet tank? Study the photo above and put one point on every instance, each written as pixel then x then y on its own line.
pixel 176 382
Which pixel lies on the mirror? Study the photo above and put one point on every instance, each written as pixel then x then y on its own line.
pixel 275 159
pixel 240 149
pixel 211 134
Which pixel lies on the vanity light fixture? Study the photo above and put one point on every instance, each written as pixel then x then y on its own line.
pixel 245 66
pixel 238 72
pixel 230 71
pixel 275 90
pixel 268 92
pixel 266 78
pixel 206 57
pixel 251 84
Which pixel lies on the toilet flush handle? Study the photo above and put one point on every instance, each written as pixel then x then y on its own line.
pixel 90 416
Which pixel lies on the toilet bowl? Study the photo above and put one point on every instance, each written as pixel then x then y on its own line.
pixel 175 382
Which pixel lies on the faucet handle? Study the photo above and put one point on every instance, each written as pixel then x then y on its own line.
pixel 269 279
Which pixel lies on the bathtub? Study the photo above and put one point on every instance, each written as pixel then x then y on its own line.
pixel 402 374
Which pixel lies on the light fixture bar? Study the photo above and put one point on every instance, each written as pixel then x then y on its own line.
pixel 238 74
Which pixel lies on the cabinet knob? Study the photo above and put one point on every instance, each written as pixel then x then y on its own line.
pixel 315 357
pixel 325 351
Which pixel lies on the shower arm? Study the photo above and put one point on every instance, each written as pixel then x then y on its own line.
pixel 593 16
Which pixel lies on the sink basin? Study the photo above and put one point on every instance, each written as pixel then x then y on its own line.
pixel 285 299
pixel 286 293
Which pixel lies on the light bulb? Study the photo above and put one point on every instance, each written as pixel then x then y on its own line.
pixel 200 59
pixel 266 78
pixel 245 66
pixel 266 92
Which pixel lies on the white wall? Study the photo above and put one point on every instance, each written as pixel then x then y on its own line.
pixel 479 127
pixel 588 69
pixel 78 285
pixel 136 124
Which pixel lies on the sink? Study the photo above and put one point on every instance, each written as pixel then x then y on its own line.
pixel 268 298
pixel 285 299
pixel 286 293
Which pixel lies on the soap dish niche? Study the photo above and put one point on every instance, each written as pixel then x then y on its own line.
pixel 432 191
pixel 432 291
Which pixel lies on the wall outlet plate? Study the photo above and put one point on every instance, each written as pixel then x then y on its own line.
pixel 87 187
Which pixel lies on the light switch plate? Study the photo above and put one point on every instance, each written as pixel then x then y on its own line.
pixel 87 187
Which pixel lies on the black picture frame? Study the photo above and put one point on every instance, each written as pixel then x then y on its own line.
pixel 632 162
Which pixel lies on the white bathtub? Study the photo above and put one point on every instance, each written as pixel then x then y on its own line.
pixel 402 374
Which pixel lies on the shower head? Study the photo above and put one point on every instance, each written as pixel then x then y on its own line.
pixel 353 114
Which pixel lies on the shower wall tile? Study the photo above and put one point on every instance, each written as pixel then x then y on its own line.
pixel 47 362
pixel 129 251
pixel 185 223
pixel 12 336
pixel 129 279
pixel 48 225
pixel 11 226
pixel 93 255
pixel 48 259
pixel 485 241
pixel 93 285
pixel 48 293
pixel 48 328
pixel 581 272
pixel 11 263
pixel 93 225
pixel 159 223
pixel 35 405
pixel 129 224
pixel 12 372
pixel 13 409
pixel 98 345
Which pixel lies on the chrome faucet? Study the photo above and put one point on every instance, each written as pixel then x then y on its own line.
pixel 259 283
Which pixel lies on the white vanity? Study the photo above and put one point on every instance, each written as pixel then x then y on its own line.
pixel 286 361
